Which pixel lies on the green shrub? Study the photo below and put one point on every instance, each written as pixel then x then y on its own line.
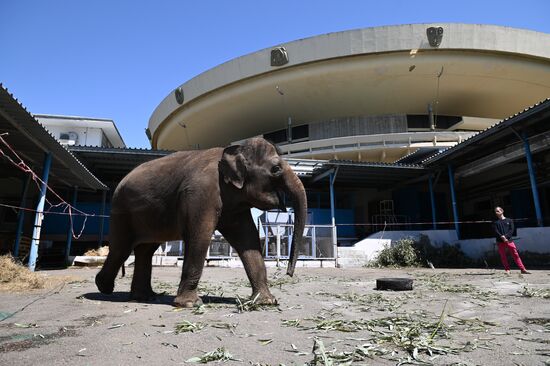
pixel 401 254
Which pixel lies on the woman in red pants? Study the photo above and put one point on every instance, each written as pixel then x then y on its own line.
pixel 504 229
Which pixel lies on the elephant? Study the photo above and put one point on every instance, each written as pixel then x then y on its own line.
pixel 187 195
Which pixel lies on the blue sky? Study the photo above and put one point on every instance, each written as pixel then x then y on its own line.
pixel 119 59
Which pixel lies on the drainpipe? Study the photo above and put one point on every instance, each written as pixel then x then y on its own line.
pixel 21 217
pixel 431 117
pixel 453 197
pixel 289 131
pixel 532 178
pixel 40 212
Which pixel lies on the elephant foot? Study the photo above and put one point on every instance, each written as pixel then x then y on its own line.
pixel 187 301
pixel 103 285
pixel 264 298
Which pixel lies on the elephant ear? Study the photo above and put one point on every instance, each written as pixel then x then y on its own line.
pixel 232 166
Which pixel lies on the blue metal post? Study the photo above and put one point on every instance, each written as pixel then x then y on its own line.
pixel 432 200
pixel 21 217
pixel 102 218
pixel 532 178
pixel 332 178
pixel 33 256
pixel 453 197
pixel 70 224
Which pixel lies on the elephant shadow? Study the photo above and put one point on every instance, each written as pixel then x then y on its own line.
pixel 207 299
pixel 162 298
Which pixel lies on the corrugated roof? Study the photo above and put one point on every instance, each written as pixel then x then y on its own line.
pixel 304 167
pixel 417 156
pixel 374 164
pixel 112 164
pixel 120 150
pixel 497 127
pixel 369 174
pixel 31 140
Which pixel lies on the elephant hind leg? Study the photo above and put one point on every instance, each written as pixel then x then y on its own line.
pixel 141 289
pixel 119 251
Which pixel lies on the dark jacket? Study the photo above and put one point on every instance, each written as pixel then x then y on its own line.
pixel 503 227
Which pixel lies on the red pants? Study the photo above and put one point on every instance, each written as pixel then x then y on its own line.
pixel 511 247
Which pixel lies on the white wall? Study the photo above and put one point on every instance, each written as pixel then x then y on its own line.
pixel 90 130
pixel 533 239
pixel 86 136
pixel 369 246
pixel 437 237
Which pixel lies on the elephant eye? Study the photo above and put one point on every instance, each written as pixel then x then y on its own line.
pixel 276 169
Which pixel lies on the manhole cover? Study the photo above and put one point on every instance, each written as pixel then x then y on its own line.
pixel 394 284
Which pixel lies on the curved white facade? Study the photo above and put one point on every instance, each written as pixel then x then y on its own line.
pixel 357 94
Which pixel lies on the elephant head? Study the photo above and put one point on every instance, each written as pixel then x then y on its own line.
pixel 261 178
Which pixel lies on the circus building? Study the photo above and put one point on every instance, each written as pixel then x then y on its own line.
pixel 380 94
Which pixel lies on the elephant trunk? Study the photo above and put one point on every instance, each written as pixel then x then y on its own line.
pixel 297 192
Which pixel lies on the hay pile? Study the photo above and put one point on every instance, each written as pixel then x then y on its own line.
pixel 16 277
pixel 101 252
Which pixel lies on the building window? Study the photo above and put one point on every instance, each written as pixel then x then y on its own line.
pixel 277 137
pixel 300 132
pixel 280 136
pixel 419 121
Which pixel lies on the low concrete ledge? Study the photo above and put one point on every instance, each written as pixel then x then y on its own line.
pixel 84 260
pixel 175 261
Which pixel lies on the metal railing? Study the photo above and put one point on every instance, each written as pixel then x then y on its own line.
pixel 275 244
pixel 362 142
pixel 317 243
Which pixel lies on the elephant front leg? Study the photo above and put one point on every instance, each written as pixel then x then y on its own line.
pixel 254 265
pixel 193 263
pixel 242 234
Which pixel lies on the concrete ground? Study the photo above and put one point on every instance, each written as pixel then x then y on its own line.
pixel 326 316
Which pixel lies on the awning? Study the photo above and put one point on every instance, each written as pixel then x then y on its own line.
pixel 112 164
pixel 532 122
pixel 369 175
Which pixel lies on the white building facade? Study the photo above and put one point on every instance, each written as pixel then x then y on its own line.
pixel 82 131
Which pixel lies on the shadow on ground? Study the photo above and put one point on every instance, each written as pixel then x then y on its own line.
pixel 158 299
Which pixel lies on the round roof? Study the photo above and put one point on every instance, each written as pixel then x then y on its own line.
pixel 476 70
